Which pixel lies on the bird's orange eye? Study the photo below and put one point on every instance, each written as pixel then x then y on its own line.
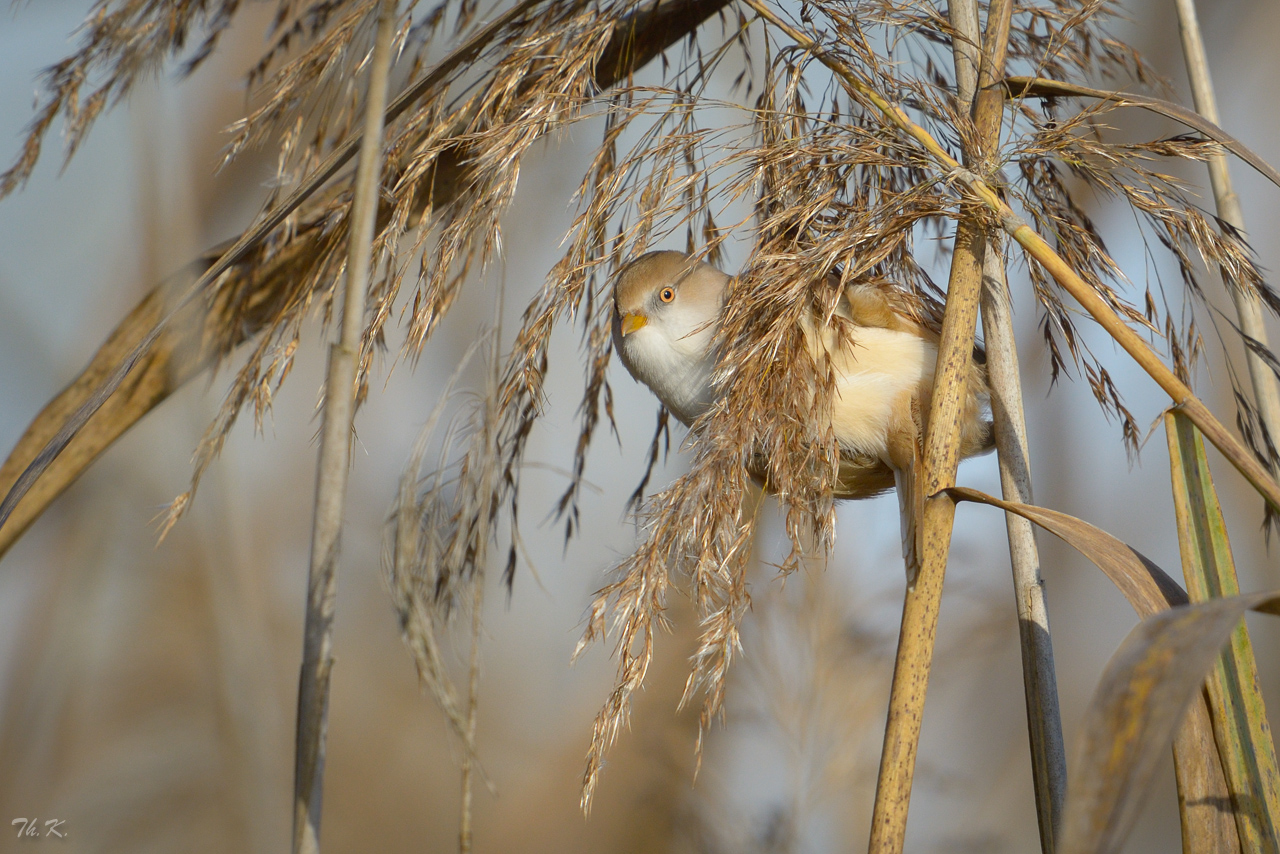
pixel 667 294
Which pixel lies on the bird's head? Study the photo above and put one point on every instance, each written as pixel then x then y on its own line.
pixel 666 310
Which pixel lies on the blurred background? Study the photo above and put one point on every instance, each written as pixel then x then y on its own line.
pixel 147 692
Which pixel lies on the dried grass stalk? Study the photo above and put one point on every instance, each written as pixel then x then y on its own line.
pixel 334 459
pixel 941 458
pixel 1044 722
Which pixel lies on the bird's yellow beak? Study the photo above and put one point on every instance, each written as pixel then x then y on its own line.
pixel 632 322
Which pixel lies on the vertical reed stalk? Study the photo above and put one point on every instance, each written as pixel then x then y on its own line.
pixel 941 458
pixel 1248 306
pixel 334 460
pixel 920 607
pixel 473 701
pixel 1044 720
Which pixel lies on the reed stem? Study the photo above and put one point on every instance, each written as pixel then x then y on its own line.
pixel 334 459
pixel 1248 305
pixel 1044 719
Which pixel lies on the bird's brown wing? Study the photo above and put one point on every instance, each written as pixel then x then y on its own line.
pixel 860 476
pixel 882 305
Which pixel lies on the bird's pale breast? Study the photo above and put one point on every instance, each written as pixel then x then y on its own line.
pixel 875 377
pixel 677 370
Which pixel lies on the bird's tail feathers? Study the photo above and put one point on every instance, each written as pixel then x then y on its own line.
pixel 907 452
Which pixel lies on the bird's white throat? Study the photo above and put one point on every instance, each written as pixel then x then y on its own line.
pixel 677 369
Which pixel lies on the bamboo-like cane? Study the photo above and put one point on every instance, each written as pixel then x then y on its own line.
pixel 1040 685
pixel 1248 306
pixel 941 457
pixel 334 459
pixel 473 695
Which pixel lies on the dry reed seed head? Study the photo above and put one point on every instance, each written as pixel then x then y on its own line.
pixel 528 97
pixel 121 43
pixel 1058 154
pixel 525 96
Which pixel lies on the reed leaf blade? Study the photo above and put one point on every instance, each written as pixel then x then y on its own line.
pixel 1140 701
pixel 1239 714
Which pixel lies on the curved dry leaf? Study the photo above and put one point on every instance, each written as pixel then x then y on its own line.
pixel 1148 588
pixel 1134 715
pixel 1139 703
pixel 1019 87
pixel 1201 778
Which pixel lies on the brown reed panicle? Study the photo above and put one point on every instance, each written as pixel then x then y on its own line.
pixel 1054 149
pixel 438 521
pixel 120 44
pixel 524 96
pixel 123 42
pixel 831 186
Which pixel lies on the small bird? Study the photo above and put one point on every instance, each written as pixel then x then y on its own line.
pixel 667 310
